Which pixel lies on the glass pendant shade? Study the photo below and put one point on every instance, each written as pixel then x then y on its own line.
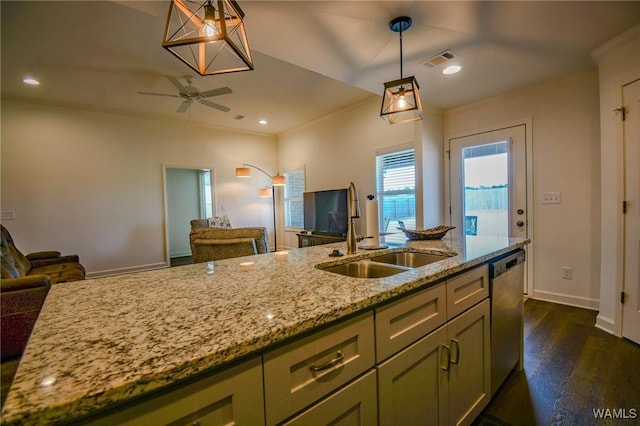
pixel 401 101
pixel 208 36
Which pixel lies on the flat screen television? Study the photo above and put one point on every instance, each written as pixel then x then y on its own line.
pixel 325 212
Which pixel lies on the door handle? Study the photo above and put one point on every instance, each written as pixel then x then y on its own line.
pixel 446 367
pixel 454 344
pixel 335 361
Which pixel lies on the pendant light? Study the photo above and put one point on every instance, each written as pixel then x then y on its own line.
pixel 208 36
pixel 401 99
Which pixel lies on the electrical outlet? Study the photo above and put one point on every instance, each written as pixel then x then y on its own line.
pixel 567 273
pixel 8 215
pixel 550 198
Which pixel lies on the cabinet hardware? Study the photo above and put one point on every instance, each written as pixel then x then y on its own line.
pixel 454 343
pixel 338 359
pixel 448 365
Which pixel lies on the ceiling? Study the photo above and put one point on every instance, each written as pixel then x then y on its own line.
pixel 311 57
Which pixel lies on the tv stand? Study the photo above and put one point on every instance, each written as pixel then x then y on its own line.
pixel 308 240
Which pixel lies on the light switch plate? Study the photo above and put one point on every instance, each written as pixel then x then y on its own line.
pixel 550 198
pixel 8 215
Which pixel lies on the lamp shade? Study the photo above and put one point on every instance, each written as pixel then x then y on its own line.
pixel 401 101
pixel 208 36
pixel 243 172
pixel 278 180
pixel 265 192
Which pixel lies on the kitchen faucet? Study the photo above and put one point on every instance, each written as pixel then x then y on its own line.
pixel 354 212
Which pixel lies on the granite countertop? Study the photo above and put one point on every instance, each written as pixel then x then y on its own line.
pixel 102 341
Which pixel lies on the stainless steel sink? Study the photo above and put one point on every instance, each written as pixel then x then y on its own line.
pixel 409 259
pixel 365 269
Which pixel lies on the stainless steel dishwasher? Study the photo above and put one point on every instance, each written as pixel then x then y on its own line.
pixel 507 297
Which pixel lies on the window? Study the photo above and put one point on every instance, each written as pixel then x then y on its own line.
pixel 205 189
pixel 396 189
pixel 293 199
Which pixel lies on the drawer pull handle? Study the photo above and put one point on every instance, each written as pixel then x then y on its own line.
pixel 448 365
pixel 454 343
pixel 338 359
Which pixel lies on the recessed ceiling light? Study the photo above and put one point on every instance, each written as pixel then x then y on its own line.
pixel 31 81
pixel 262 121
pixel 452 69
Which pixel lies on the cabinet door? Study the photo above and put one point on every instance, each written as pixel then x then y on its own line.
pixel 411 388
pixel 232 396
pixel 470 371
pixel 353 405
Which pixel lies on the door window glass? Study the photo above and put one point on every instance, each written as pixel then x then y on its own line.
pixel 486 189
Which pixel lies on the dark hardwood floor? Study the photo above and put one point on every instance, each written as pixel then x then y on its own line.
pixel 571 368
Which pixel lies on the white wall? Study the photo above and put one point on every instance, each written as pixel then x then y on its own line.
pixel 566 159
pixel 618 64
pixel 90 182
pixel 341 148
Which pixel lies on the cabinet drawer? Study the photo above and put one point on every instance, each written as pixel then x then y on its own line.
pixel 467 289
pixel 304 371
pixel 232 396
pixel 355 404
pixel 403 322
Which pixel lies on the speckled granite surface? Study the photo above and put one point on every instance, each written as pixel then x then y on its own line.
pixel 102 341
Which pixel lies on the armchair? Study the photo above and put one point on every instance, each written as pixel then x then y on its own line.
pixel 223 243
pixel 26 280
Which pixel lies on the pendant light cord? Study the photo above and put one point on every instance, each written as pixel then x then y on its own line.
pixel 401 51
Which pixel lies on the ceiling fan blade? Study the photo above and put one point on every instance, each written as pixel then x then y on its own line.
pixel 158 94
pixel 214 105
pixel 216 92
pixel 182 88
pixel 184 106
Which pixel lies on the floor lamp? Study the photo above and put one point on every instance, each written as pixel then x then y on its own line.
pixel 268 191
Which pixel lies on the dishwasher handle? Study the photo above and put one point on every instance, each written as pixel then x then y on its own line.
pixel 506 263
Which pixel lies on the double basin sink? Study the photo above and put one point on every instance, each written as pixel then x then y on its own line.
pixel 384 265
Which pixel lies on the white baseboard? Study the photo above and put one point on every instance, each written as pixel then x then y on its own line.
pixel 180 254
pixel 565 299
pixel 128 270
pixel 606 324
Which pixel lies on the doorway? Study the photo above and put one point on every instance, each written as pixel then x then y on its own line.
pixel 189 194
pixel 631 284
pixel 489 186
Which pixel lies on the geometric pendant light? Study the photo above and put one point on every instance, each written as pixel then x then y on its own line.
pixel 208 36
pixel 401 99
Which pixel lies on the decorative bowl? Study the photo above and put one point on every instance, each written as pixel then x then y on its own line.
pixel 427 234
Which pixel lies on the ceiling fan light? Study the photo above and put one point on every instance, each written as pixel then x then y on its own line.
pixel 211 40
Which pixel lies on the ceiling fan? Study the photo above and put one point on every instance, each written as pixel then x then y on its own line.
pixel 190 94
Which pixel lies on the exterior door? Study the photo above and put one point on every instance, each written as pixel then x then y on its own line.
pixel 631 307
pixel 488 185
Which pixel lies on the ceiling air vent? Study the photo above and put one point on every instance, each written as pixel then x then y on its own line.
pixel 440 58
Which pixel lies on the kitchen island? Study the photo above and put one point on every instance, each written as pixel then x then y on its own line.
pixel 102 342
